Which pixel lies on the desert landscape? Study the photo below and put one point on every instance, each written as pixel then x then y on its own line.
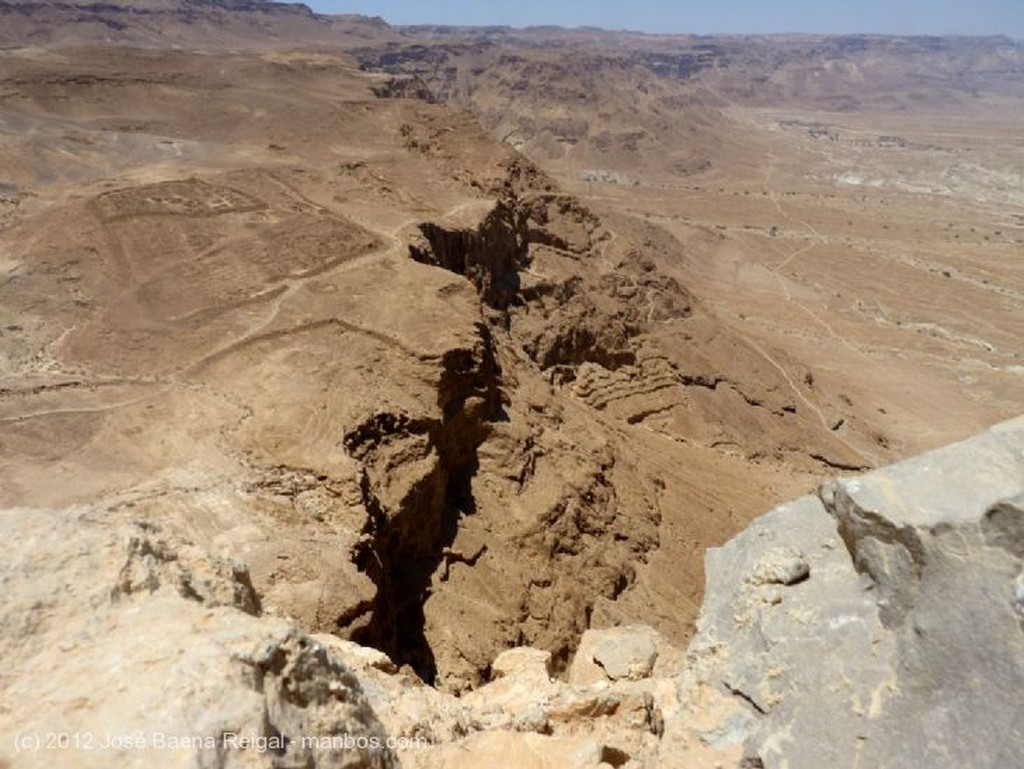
pixel 423 387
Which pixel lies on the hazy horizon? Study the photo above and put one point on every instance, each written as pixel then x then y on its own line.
pixel 895 17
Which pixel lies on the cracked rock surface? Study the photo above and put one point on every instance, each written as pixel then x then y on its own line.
pixel 904 646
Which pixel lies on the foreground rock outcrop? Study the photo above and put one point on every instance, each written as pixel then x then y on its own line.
pixel 128 646
pixel 879 623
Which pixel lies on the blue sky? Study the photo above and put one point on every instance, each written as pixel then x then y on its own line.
pixel 923 17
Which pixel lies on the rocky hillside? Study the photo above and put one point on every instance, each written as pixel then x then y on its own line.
pixel 879 623
pixel 188 24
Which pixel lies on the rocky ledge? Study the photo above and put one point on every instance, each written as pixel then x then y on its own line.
pixel 879 623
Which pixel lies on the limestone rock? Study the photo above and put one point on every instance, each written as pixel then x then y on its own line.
pixel 126 646
pixel 780 566
pixel 524 663
pixel 614 654
pixel 356 656
pixel 901 647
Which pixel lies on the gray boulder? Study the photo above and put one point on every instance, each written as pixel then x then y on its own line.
pixel 880 624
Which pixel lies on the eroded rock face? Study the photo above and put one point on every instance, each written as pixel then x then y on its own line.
pixel 902 646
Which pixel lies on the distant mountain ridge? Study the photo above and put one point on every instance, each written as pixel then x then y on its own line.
pixel 203 24
pixel 259 23
pixel 165 4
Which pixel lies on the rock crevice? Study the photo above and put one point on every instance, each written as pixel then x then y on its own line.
pixel 416 484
